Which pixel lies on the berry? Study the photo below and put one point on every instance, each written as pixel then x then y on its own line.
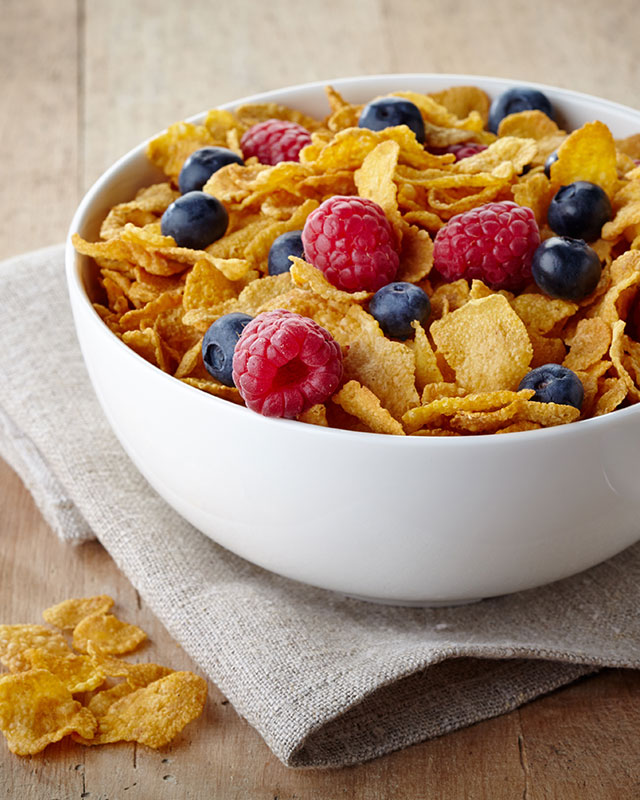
pixel 391 111
pixel 550 160
pixel 351 241
pixel 554 384
pixel 275 140
pixel 494 242
pixel 465 149
pixel 397 305
pixel 201 165
pixel 520 98
pixel 285 363
pixel 579 210
pixel 195 220
pixel 567 269
pixel 287 244
pixel 219 344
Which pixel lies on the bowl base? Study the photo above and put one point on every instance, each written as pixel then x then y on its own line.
pixel 413 603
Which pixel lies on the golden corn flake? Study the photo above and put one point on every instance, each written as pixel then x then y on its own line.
pixel 16 639
pixel 589 344
pixel 68 613
pixel 510 150
pixel 532 124
pixel 462 100
pixel 316 415
pixel 136 674
pixel 435 413
pixel 386 368
pixel 36 710
pixel 362 403
pixel 485 343
pixel 147 207
pixel 540 313
pixel 77 673
pixel 108 632
pixel 427 369
pixel 152 715
pixel 588 154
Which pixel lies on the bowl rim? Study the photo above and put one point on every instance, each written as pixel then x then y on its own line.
pixel 75 285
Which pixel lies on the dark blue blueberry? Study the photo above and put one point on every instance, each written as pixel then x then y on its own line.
pixel 520 98
pixel 554 384
pixel 579 210
pixel 201 165
pixel 195 220
pixel 397 305
pixel 287 244
pixel 550 160
pixel 391 111
pixel 219 344
pixel 566 268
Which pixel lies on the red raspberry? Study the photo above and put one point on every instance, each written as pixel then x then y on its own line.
pixel 494 242
pixel 351 241
pixel 465 149
pixel 275 140
pixel 285 363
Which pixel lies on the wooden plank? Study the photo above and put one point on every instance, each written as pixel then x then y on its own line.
pixel 561 44
pixel 38 122
pixel 148 64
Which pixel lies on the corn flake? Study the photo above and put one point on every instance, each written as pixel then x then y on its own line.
pixel 36 709
pixel 16 639
pixel 152 715
pixel 68 613
pixel 108 632
pixel 485 343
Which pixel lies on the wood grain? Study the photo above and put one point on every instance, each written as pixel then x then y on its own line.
pixel 82 81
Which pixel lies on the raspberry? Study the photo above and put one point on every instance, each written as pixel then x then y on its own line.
pixel 275 140
pixel 494 242
pixel 351 241
pixel 465 149
pixel 285 363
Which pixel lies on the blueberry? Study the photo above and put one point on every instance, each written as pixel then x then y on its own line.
pixel 554 384
pixel 219 343
pixel 520 98
pixel 566 268
pixel 579 210
pixel 550 160
pixel 287 244
pixel 201 165
pixel 391 111
pixel 195 220
pixel 396 305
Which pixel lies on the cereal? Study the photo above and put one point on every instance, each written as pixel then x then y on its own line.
pixel 77 673
pixel 36 709
pixel 160 299
pixel 485 343
pixel 16 639
pixel 152 715
pixel 110 633
pixel 68 613
pixel 151 705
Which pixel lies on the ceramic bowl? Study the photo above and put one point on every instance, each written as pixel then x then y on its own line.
pixel 411 521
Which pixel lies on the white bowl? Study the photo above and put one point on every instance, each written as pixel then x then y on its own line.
pixel 405 520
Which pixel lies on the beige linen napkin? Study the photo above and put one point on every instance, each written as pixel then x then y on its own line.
pixel 326 680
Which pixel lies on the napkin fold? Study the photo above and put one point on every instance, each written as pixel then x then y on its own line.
pixel 326 680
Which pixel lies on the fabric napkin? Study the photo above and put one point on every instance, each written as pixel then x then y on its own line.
pixel 326 680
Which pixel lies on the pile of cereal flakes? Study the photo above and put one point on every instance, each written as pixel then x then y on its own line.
pixel 460 372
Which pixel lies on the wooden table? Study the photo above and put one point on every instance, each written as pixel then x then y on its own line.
pixel 82 81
